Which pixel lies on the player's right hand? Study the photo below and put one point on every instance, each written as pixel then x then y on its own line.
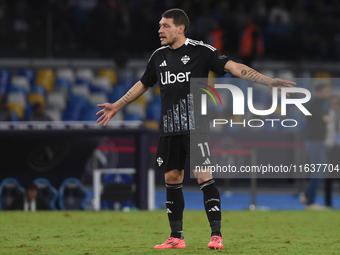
pixel 106 113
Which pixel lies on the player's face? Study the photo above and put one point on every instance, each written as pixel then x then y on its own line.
pixel 168 31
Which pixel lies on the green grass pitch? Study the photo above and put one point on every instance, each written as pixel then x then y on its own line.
pixel 136 232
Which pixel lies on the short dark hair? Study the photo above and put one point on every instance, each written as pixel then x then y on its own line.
pixel 179 16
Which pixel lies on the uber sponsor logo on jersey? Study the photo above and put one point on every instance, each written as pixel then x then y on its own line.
pixel 170 78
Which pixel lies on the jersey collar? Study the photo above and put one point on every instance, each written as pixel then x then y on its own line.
pixel 185 44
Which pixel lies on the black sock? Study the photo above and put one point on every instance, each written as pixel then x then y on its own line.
pixel 174 208
pixel 212 205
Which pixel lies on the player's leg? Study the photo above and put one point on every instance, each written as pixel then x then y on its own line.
pixel 212 205
pixel 175 201
pixel 172 158
pixel 200 154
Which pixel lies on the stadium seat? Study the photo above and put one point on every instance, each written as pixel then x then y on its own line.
pixel 156 90
pixel 117 189
pixel 81 91
pixel 127 79
pixel 101 84
pixel 97 98
pixel 322 74
pixel 74 108
pixel 29 74
pixel 142 101
pixel 321 78
pixel 28 111
pixel 153 112
pixel 78 99
pixel 85 74
pixel 118 117
pixel 139 72
pixel 89 112
pixel 77 102
pixel 148 95
pixel 47 192
pixel 54 114
pixel 72 113
pixel 305 82
pixel 36 98
pixel 46 78
pixel 9 190
pixel 18 90
pixel 17 97
pixel 56 100
pixel 152 124
pixel 286 75
pixel 39 90
pixel 305 74
pixel 136 109
pixel 5 80
pixel 83 82
pixel 94 89
pixel 18 109
pixel 72 195
pixel 63 85
pixel 110 74
pixel 117 92
pixel 132 116
pixel 22 83
pixel 65 73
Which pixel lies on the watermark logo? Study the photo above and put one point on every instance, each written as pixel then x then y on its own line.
pixel 240 102
pixel 204 97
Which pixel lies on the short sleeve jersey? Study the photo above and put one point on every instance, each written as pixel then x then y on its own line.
pixel 173 70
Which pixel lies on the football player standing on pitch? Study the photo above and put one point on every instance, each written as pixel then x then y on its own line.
pixel 173 65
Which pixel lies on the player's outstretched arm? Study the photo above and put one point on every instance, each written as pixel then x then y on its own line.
pixel 249 74
pixel 110 110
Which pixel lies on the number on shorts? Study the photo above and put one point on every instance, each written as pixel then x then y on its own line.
pixel 202 148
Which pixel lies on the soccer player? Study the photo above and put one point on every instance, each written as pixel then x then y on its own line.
pixel 173 65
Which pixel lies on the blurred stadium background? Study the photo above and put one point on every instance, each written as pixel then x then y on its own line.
pixel 68 55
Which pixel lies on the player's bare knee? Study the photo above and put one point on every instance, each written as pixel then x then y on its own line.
pixel 174 176
pixel 202 176
pixel 202 180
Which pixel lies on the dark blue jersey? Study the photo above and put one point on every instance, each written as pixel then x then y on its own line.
pixel 173 70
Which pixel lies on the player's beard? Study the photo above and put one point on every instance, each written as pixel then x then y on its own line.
pixel 168 42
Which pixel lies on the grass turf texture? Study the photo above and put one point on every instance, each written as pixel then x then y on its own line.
pixel 245 232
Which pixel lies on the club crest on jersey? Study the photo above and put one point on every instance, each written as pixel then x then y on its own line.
pixel 185 59
pixel 159 161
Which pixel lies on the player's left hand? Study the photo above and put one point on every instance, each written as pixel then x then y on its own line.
pixel 106 113
pixel 279 83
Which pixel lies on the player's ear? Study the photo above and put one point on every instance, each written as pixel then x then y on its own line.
pixel 181 29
